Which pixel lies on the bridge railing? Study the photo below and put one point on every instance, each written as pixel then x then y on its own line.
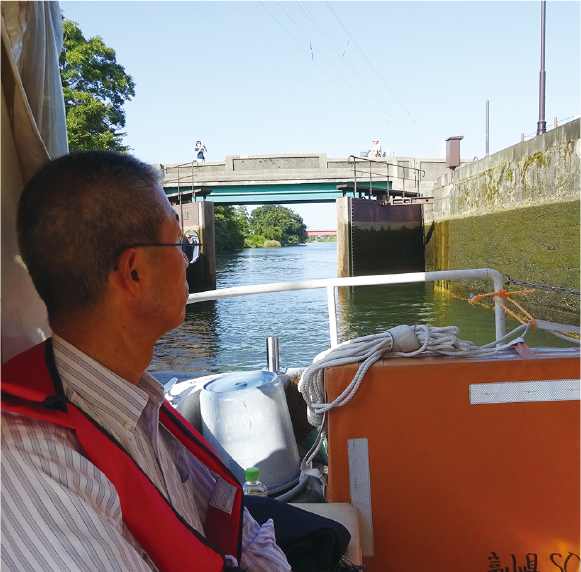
pixel 374 164
pixel 185 174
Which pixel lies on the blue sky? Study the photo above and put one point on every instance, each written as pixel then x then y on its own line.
pixel 241 76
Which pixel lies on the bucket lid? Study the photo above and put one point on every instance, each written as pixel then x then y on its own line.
pixel 240 381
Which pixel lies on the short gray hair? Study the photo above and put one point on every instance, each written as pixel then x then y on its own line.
pixel 75 216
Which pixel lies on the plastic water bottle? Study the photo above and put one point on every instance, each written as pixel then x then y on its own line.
pixel 253 486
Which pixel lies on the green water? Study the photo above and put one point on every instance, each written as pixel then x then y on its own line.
pixel 230 335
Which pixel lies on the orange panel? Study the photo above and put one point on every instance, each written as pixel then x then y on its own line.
pixel 452 483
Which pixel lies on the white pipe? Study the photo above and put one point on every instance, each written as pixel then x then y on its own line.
pixel 332 316
pixel 543 325
pixel 499 314
pixel 480 273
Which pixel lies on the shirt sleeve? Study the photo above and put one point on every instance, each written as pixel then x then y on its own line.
pixel 260 553
pixel 59 512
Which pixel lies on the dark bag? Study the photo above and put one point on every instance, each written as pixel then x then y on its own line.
pixel 311 543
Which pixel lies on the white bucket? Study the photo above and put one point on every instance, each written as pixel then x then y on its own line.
pixel 245 419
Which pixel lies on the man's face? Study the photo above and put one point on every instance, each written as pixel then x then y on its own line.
pixel 168 293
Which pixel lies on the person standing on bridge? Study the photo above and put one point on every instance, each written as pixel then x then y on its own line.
pixel 376 151
pixel 199 151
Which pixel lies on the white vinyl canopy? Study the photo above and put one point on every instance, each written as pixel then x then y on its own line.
pixel 33 131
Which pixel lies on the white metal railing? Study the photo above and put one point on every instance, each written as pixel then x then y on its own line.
pixel 331 283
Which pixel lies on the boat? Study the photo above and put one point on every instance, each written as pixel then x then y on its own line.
pixel 447 462
pixel 455 456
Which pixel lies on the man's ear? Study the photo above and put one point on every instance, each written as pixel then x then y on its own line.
pixel 130 272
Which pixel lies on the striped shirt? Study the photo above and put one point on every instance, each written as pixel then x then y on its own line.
pixel 60 513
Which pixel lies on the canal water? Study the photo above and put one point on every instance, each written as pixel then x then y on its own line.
pixel 230 335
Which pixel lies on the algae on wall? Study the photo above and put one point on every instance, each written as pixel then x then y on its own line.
pixel 536 244
pixel 516 212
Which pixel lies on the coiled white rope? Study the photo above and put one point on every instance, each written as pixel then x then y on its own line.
pixel 402 341
pixel 426 341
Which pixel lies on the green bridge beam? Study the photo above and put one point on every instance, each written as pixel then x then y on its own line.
pixel 272 194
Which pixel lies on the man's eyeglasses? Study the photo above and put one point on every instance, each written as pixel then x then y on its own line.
pixel 191 250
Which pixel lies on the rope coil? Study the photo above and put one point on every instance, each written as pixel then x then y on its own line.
pixel 431 341
pixel 402 341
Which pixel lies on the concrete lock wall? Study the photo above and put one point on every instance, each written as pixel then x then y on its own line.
pixel 377 239
pixel 516 211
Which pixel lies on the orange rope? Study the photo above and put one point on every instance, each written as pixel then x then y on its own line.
pixel 505 294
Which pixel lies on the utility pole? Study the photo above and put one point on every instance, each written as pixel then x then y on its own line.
pixel 487 126
pixel 542 124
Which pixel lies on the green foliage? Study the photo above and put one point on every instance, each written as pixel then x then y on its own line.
pixel 254 241
pixel 322 239
pixel 230 227
pixel 95 87
pixel 271 244
pixel 281 224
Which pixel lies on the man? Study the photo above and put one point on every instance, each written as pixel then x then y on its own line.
pixel 376 151
pixel 97 474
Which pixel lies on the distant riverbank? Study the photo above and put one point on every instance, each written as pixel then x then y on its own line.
pixel 269 226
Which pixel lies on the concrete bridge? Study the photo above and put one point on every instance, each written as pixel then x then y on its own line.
pixel 395 183
pixel 296 178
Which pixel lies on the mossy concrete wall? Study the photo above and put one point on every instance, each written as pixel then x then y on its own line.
pixel 516 211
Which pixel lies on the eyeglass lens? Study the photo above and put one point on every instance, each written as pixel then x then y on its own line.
pixel 191 250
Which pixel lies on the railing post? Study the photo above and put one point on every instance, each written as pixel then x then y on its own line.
pixel 499 314
pixel 331 301
pixel 180 200
pixel 272 355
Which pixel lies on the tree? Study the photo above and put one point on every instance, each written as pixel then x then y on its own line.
pixel 230 226
pixel 275 222
pixel 95 87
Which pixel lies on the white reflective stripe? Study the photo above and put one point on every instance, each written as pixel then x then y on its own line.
pixel 523 391
pixel 360 488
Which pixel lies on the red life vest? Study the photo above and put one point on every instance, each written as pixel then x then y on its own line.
pixel 31 386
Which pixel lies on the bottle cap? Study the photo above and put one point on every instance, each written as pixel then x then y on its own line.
pixel 252 474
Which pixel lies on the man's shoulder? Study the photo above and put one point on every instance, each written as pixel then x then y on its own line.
pixel 32 355
pixel 17 428
pixel 26 374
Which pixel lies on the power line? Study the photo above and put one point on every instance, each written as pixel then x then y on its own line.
pixel 353 70
pixel 315 62
pixel 335 48
pixel 327 38
pixel 385 126
pixel 377 73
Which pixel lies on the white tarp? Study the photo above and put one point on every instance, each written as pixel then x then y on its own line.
pixel 33 130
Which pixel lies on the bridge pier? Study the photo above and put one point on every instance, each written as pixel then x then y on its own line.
pixel 201 275
pixel 373 238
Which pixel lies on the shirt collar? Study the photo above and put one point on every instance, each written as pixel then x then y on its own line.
pixel 104 391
